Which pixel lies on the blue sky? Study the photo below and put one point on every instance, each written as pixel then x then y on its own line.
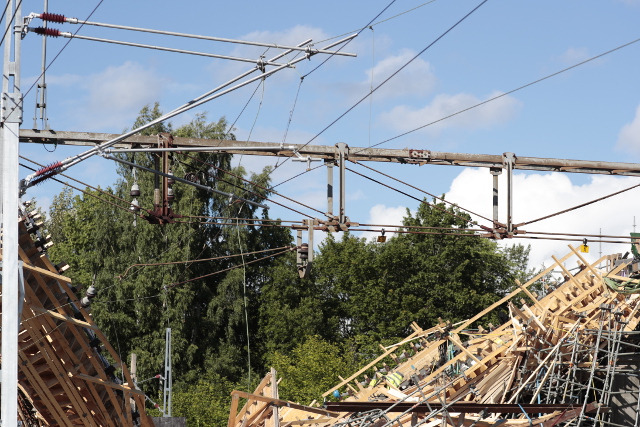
pixel 591 112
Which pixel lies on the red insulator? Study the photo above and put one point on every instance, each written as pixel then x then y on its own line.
pixel 52 17
pixel 51 32
pixel 50 168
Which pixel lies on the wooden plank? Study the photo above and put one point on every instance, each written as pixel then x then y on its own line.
pixel 233 411
pixel 46 272
pixel 285 403
pixel 511 295
pixel 371 364
pixel 64 318
pixel 109 384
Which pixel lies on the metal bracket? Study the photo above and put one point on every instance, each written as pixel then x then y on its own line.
pixel 304 259
pixel 509 160
pixel 12 107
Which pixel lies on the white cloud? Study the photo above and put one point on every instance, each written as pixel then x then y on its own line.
pixel 111 99
pixel 226 70
pixel 403 118
pixel 574 55
pixel 417 79
pixel 385 215
pixel 537 195
pixel 629 137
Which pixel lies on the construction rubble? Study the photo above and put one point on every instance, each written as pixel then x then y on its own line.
pixel 566 358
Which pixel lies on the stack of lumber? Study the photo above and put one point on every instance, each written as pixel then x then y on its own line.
pixel 558 352
pixel 69 374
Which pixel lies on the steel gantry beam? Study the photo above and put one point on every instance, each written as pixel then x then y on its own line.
pixel 406 156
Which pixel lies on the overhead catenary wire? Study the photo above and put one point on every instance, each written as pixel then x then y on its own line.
pixel 61 18
pixel 228 269
pixel 259 186
pixel 206 97
pixel 82 191
pixel 122 276
pixel 357 34
pixel 413 197
pixel 80 182
pixel 51 32
pixel 370 93
pixel 423 191
pixel 19 104
pixel 379 22
pixel 579 206
pixel 401 229
pixel 250 191
pixel 13 17
pixel 503 94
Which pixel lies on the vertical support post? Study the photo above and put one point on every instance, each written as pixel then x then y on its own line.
pixel 495 172
pixel 509 160
pixel 168 382
pixel 134 377
pixel 275 395
pixel 329 164
pixel 11 115
pixel 41 94
pixel 311 223
pixel 342 155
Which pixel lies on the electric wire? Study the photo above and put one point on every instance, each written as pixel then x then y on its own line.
pixel 244 294
pixel 425 192
pixel 19 104
pixel 80 182
pixel 504 94
pixel 295 176
pixel 262 83
pixel 4 12
pixel 415 198
pixel 122 276
pixel 83 191
pixel 227 269
pixel 349 41
pixel 244 219
pixel 13 17
pixel 260 186
pixel 391 76
pixel 579 206
pixel 379 22
pixel 247 190
pixel 400 229
pixel 286 131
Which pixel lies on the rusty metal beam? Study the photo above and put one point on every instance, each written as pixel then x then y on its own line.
pixel 406 156
pixel 467 407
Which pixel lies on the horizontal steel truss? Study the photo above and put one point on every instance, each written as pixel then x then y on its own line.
pixel 406 156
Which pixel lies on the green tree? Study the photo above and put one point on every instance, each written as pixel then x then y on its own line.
pixel 209 317
pixel 312 368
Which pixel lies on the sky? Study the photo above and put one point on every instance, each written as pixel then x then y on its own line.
pixel 591 112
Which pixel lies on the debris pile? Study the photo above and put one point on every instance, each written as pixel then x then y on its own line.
pixel 565 358
pixel 69 374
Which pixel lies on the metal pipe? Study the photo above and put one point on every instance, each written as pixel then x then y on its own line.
pixel 495 172
pixel 197 36
pixel 329 165
pixel 167 49
pixel 509 159
pixel 67 163
pixel 186 149
pixel 184 181
pixel 342 147
pixel 10 136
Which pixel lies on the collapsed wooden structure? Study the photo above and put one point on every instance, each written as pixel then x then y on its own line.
pixel 555 361
pixel 69 374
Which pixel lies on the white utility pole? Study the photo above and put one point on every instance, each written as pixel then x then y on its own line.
pixel 11 115
pixel 168 381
